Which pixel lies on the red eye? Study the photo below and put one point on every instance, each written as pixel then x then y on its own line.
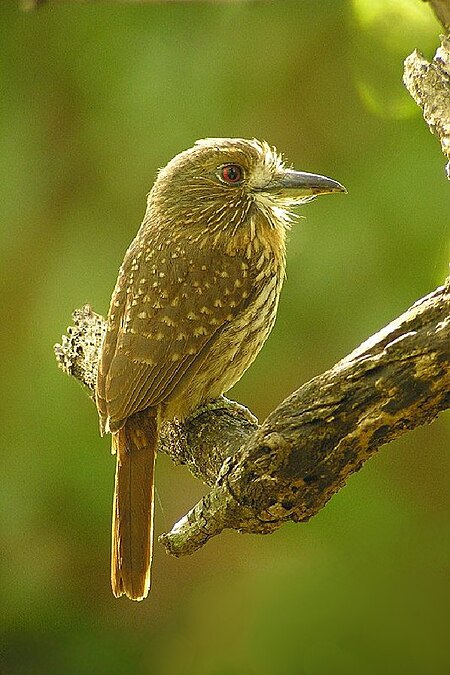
pixel 232 173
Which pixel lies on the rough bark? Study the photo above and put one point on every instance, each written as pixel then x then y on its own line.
pixel 429 85
pixel 290 466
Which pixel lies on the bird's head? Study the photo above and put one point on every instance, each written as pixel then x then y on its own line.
pixel 221 184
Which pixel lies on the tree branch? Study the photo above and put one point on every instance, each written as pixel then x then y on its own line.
pixel 290 466
pixel 429 85
pixel 308 447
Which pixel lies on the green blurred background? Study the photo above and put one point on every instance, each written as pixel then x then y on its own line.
pixel 96 97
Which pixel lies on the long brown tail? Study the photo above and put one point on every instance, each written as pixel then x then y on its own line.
pixel 132 523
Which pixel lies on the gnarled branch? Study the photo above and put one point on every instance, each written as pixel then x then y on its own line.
pixel 429 85
pixel 290 466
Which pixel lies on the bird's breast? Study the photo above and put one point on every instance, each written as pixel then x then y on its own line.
pixel 234 350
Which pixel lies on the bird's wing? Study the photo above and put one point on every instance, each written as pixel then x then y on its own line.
pixel 164 315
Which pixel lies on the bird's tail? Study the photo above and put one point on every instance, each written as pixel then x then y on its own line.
pixel 132 523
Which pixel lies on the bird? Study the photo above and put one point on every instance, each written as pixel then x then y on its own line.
pixel 195 299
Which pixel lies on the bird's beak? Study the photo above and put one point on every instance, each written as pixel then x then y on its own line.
pixel 299 185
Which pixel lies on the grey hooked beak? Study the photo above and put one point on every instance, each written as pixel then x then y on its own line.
pixel 300 185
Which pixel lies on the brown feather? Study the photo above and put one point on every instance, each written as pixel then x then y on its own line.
pixel 152 345
pixel 133 507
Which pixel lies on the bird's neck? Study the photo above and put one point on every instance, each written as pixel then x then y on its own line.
pixel 261 240
pixel 258 234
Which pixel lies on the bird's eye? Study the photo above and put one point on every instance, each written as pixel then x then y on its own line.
pixel 231 173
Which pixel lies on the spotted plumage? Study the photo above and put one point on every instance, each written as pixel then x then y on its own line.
pixel 195 299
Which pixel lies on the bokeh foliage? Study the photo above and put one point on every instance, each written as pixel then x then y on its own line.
pixel 95 98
